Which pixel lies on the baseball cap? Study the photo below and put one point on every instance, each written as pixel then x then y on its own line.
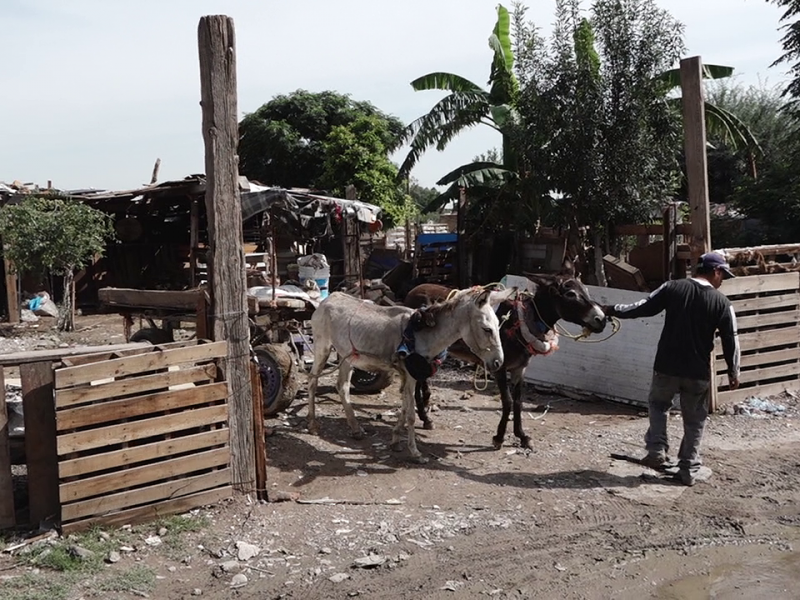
pixel 715 260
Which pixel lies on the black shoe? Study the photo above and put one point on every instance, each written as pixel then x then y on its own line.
pixel 686 477
pixel 657 462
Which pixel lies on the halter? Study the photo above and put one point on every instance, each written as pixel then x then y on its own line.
pixel 407 348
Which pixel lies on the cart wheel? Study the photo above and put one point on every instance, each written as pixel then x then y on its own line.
pixel 153 335
pixel 370 382
pixel 279 382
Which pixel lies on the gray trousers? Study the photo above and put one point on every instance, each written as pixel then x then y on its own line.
pixel 694 409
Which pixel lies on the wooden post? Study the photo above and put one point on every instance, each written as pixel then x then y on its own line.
pixel 670 241
pixel 216 41
pixel 12 292
pixel 7 518
pixel 194 239
pixel 461 249
pixel 154 176
pixel 41 454
pixel 259 432
pixel 694 126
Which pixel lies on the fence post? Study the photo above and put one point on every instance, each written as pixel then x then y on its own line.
pixel 7 518
pixel 217 49
pixel 41 453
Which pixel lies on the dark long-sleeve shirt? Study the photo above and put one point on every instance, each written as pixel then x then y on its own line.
pixel 695 311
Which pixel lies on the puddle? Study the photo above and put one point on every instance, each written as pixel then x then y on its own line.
pixel 775 577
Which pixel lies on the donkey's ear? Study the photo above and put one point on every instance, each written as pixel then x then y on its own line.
pixel 483 297
pixel 568 267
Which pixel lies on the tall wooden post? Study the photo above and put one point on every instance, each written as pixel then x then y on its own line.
pixel 226 245
pixel 694 131
pixel 461 247
pixel 694 127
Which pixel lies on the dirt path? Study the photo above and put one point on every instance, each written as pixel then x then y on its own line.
pixel 562 521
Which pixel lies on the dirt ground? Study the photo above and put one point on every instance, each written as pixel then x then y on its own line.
pixel 350 518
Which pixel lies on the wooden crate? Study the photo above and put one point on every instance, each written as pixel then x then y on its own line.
pixel 136 437
pixel 768 315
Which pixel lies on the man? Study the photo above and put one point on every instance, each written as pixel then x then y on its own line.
pixel 695 311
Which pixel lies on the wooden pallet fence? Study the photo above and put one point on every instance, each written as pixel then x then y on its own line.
pixel 142 435
pixel 768 316
pixel 7 516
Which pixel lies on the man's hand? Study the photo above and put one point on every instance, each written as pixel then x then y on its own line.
pixel 608 309
pixel 733 383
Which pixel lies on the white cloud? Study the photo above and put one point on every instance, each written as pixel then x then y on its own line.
pixel 95 90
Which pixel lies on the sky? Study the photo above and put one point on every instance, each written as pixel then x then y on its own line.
pixel 96 90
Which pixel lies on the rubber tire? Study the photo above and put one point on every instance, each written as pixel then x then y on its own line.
pixel 279 380
pixel 370 382
pixel 152 335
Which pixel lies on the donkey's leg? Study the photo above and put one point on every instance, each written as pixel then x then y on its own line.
pixel 422 397
pixel 345 372
pixel 516 392
pixel 321 354
pixel 505 397
pixel 407 415
pixel 397 430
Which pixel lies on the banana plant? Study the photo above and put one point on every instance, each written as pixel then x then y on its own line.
pixel 468 105
pixel 720 123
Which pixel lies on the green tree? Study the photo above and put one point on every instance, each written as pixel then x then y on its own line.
pixel 595 123
pixel 54 235
pixel 284 141
pixel 791 49
pixel 356 154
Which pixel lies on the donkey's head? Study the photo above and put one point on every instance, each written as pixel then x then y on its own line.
pixel 479 326
pixel 563 296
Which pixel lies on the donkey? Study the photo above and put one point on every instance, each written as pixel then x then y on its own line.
pixel 369 336
pixel 527 322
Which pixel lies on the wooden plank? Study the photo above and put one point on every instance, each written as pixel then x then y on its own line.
pixel 126 478
pixel 136 454
pixel 762 358
pixel 764 373
pixel 785 317
pixel 761 391
pixel 259 433
pixel 767 250
pixel 145 428
pixel 85 359
pixel 140 299
pixel 765 303
pixel 152 511
pixel 7 517
pixel 13 359
pixel 147 495
pixel 759 284
pixel 227 283
pixel 127 387
pixel 39 409
pixel 761 340
pixel 138 406
pixel 157 359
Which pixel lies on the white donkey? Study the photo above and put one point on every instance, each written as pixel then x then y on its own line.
pixel 368 336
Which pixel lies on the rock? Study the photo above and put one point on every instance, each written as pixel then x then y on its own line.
pixel 246 551
pixel 369 562
pixel 239 580
pixel 325 550
pixel 153 540
pixel 229 566
pixel 104 536
pixel 81 553
pixel 197 592
pixel 127 549
pixel 162 532
pixel 172 569
pixel 338 577
pixel 113 557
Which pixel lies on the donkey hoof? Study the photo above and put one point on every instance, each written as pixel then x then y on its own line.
pixel 358 435
pixel 427 424
pixel 420 460
pixel 396 446
pixel 313 429
pixel 497 443
pixel 525 443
